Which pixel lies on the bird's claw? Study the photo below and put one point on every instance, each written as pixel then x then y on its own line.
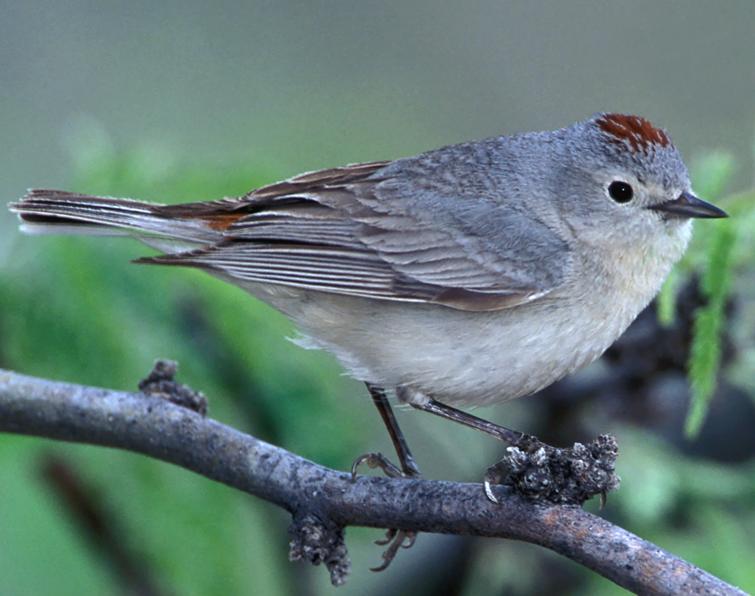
pixel 394 538
pixel 377 460
pixel 390 534
pixel 486 486
pixel 493 475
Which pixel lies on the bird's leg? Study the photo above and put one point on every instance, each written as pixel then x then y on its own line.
pixel 395 539
pixel 494 474
pixel 513 437
pixel 536 470
pixel 408 467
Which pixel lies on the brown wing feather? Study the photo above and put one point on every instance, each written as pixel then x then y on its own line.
pixel 328 231
pixel 223 213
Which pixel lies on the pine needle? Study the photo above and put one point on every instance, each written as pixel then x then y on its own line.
pixel 705 353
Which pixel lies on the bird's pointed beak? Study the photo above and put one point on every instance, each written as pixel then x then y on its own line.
pixel 688 205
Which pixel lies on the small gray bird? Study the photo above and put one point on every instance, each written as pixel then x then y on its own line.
pixel 472 274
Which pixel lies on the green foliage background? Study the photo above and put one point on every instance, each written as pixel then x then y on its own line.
pixel 74 309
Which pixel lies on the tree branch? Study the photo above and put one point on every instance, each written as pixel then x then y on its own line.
pixel 324 501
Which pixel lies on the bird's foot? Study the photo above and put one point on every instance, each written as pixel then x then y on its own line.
pixel 394 538
pixel 377 460
pixel 570 475
pixel 161 383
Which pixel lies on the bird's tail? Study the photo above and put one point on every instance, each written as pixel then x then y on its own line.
pixel 59 212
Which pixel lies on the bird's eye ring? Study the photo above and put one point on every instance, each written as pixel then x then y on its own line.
pixel 621 192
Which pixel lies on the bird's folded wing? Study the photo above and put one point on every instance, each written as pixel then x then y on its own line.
pixel 350 231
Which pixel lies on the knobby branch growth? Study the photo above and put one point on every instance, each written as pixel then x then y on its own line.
pixel 322 501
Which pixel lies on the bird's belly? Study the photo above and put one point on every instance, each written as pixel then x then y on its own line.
pixel 454 356
pixel 483 360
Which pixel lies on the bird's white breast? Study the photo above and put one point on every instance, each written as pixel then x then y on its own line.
pixel 483 357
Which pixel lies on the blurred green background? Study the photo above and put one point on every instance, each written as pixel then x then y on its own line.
pixel 182 101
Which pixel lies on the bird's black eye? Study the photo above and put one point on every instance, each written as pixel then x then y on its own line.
pixel 621 192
